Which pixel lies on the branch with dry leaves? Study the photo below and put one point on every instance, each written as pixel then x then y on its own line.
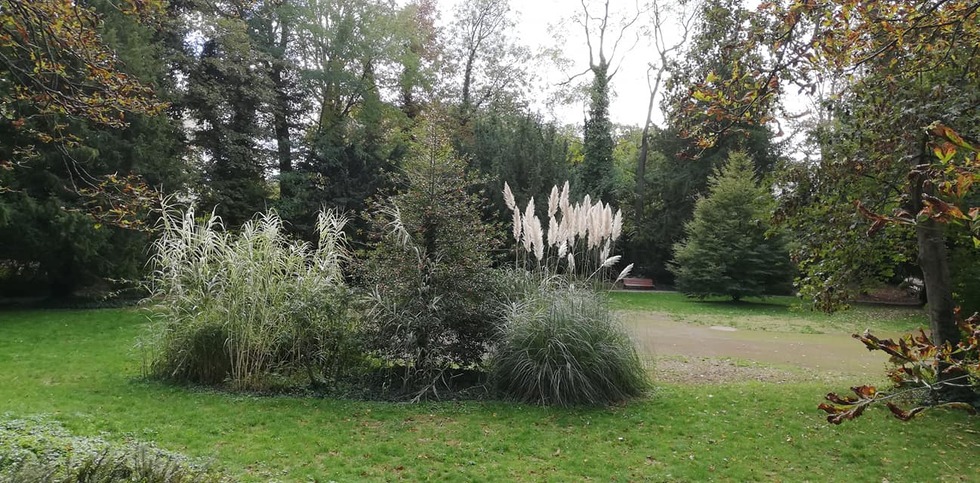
pixel 930 376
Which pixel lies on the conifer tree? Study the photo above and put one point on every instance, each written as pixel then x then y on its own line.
pixel 727 250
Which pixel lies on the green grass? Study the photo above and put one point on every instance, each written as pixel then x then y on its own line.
pixel 772 313
pixel 78 367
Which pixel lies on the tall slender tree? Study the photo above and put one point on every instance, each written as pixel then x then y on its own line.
pixel 226 93
pixel 604 35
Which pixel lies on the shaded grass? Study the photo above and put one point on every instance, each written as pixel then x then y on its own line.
pixel 772 313
pixel 77 367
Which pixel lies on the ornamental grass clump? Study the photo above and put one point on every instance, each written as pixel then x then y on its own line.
pixel 250 309
pixel 561 345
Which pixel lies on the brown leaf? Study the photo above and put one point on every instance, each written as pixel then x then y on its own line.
pixel 961 406
pixel 903 414
pixel 865 391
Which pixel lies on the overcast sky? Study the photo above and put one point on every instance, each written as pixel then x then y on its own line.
pixel 538 19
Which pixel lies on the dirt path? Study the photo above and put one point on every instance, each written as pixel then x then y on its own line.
pixel 686 352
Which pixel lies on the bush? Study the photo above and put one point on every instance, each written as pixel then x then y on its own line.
pixel 563 346
pixel 34 450
pixel 432 305
pixel 251 307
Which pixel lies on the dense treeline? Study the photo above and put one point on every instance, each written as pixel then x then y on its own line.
pixel 242 106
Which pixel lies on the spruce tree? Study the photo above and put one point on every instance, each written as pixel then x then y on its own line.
pixel 727 251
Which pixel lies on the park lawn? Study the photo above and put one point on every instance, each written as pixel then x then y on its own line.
pixel 778 313
pixel 79 367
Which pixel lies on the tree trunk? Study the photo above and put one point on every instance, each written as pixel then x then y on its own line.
pixel 934 262
pixel 467 85
pixel 282 111
pixel 641 166
pixel 938 283
pixel 281 124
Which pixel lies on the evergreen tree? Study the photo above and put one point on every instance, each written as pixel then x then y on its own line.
pixel 727 251
pixel 430 271
pixel 596 172
pixel 226 91
pixel 63 225
pixel 679 167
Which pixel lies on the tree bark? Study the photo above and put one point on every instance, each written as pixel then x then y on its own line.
pixel 939 286
pixel 934 262
pixel 641 166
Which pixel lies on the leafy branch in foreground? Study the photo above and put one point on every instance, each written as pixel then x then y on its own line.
pixel 934 375
pixel 945 374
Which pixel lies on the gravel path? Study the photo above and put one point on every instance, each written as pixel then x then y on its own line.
pixel 686 353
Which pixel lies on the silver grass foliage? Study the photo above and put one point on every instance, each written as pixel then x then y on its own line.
pixel 237 308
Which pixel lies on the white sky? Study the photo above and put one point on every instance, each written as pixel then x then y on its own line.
pixel 535 18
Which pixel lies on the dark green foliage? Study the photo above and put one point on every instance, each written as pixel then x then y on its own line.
pixel 44 220
pixel 836 258
pixel 964 264
pixel 519 148
pixel 679 167
pixel 40 451
pixel 224 95
pixel 348 163
pixel 674 182
pixel 564 346
pixel 728 250
pixel 432 306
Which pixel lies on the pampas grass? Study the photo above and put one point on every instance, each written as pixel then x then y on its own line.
pixel 563 346
pixel 579 239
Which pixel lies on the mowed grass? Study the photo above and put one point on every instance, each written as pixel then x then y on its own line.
pixel 79 367
pixel 772 313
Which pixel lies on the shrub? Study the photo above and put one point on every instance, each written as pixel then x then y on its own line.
pixel 246 307
pixel 35 450
pixel 432 304
pixel 563 346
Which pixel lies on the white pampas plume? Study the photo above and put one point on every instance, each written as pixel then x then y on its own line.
pixel 582 221
pixel 611 261
pixel 606 248
pixel 509 197
pixel 617 225
pixel 587 202
pixel 563 202
pixel 625 273
pixel 518 225
pixel 553 201
pixel 528 216
pixel 595 226
pixel 554 234
pixel 571 263
pixel 562 249
pixel 569 220
pixel 538 241
pixel 607 221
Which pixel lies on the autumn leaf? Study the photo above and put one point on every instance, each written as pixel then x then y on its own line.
pixel 903 414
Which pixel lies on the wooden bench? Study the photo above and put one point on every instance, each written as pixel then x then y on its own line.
pixel 638 283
